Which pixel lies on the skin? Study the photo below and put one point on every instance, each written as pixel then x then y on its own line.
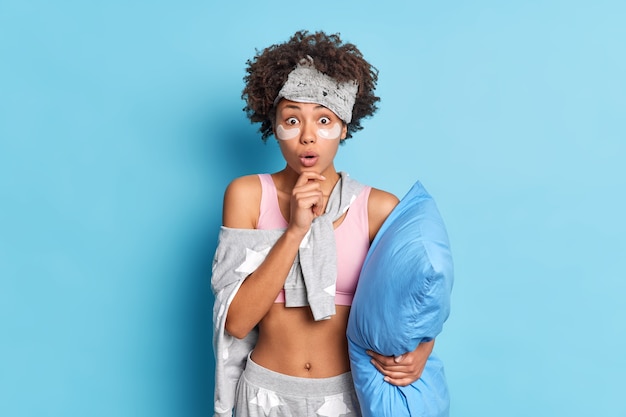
pixel 290 341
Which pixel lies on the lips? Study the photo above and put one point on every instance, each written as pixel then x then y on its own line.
pixel 308 159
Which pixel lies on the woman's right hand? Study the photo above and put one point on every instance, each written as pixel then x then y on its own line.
pixel 307 201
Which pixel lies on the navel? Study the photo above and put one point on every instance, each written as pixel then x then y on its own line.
pixel 307 366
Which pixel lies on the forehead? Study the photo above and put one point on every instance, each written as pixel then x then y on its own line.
pixel 286 105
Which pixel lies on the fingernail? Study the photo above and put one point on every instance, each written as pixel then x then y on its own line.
pixel 386 379
pixel 398 359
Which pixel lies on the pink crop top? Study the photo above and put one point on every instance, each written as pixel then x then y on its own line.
pixel 352 237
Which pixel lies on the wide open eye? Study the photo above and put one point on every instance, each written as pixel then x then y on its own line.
pixel 292 121
pixel 325 120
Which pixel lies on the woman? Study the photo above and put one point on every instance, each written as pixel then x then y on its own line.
pixel 315 225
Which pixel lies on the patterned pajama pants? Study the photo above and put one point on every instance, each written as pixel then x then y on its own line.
pixel 265 393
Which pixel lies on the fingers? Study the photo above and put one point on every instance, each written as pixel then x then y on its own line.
pixel 308 176
pixel 307 200
pixel 391 362
pixel 310 201
pixel 400 375
pixel 308 189
pixel 403 369
pixel 400 382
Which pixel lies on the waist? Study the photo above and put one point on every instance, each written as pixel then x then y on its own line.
pixel 291 385
pixel 292 343
pixel 341 298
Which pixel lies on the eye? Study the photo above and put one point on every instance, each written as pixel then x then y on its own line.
pixel 325 120
pixel 292 121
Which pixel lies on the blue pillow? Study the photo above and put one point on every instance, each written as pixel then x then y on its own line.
pixel 402 299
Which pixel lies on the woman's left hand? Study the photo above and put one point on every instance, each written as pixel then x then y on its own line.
pixel 405 369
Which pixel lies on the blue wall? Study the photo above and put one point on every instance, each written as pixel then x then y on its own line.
pixel 121 124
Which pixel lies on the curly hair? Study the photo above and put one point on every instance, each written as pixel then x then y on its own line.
pixel 269 69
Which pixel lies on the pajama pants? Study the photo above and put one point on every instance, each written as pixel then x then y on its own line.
pixel 265 393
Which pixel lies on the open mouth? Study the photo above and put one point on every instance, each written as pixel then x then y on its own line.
pixel 308 159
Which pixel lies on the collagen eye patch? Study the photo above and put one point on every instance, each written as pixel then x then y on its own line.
pixel 330 134
pixel 322 134
pixel 286 134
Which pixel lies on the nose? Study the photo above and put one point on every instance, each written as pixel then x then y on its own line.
pixel 309 133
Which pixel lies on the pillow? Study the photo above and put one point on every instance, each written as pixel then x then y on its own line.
pixel 402 299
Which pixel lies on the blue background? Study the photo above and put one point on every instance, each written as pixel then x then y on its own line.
pixel 121 124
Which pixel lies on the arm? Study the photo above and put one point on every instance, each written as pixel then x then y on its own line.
pixel 404 369
pixel 407 368
pixel 259 290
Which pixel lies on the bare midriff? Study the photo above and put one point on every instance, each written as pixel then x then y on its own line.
pixel 292 343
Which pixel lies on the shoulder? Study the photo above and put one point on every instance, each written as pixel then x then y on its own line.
pixel 241 202
pixel 244 185
pixel 379 206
